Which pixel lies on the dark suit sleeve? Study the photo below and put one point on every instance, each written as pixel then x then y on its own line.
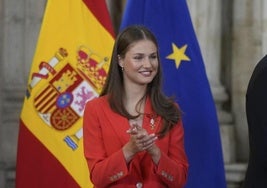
pixel 256 109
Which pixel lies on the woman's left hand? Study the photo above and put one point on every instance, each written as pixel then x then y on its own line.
pixel 146 141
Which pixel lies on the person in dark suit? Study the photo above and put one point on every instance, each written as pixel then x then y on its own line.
pixel 256 111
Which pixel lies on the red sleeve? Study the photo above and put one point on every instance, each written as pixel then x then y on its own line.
pixel 104 169
pixel 173 166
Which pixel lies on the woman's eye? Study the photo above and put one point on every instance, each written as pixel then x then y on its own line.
pixel 138 57
pixel 153 57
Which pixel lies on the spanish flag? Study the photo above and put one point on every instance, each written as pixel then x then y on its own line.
pixel 69 68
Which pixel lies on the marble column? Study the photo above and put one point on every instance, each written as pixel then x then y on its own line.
pixel 1 61
pixel 206 18
pixel 115 8
pixel 13 76
pixel 2 173
pixel 264 28
pixel 20 25
pixel 248 35
pixel 34 12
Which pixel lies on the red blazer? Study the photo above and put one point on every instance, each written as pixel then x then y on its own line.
pixel 105 134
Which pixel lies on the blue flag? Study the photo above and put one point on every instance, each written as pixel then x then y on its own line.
pixel 185 77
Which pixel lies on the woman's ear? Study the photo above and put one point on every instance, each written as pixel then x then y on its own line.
pixel 120 61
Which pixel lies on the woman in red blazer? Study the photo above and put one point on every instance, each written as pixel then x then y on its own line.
pixel 133 133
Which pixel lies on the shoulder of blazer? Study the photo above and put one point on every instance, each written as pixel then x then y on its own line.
pixel 98 101
pixel 260 69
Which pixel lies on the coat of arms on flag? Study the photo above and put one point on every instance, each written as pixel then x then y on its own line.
pixel 61 100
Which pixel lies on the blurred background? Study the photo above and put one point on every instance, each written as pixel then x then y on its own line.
pixel 232 36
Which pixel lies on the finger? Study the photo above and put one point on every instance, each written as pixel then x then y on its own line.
pixel 148 143
pixel 136 126
pixel 149 138
pixel 132 131
pixel 140 146
pixel 153 136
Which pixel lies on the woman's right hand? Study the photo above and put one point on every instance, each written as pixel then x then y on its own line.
pixel 139 141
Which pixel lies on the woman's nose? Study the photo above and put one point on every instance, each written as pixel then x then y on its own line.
pixel 147 62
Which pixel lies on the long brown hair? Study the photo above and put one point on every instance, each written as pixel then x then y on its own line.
pixel 161 104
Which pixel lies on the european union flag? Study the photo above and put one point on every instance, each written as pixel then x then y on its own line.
pixel 185 77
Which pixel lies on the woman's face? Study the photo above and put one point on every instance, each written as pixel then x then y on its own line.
pixel 140 64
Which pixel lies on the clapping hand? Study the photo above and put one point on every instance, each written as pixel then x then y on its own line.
pixel 139 141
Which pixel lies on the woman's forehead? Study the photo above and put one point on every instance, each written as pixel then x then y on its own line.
pixel 142 45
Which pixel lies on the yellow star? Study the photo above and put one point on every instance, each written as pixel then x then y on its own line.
pixel 178 55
